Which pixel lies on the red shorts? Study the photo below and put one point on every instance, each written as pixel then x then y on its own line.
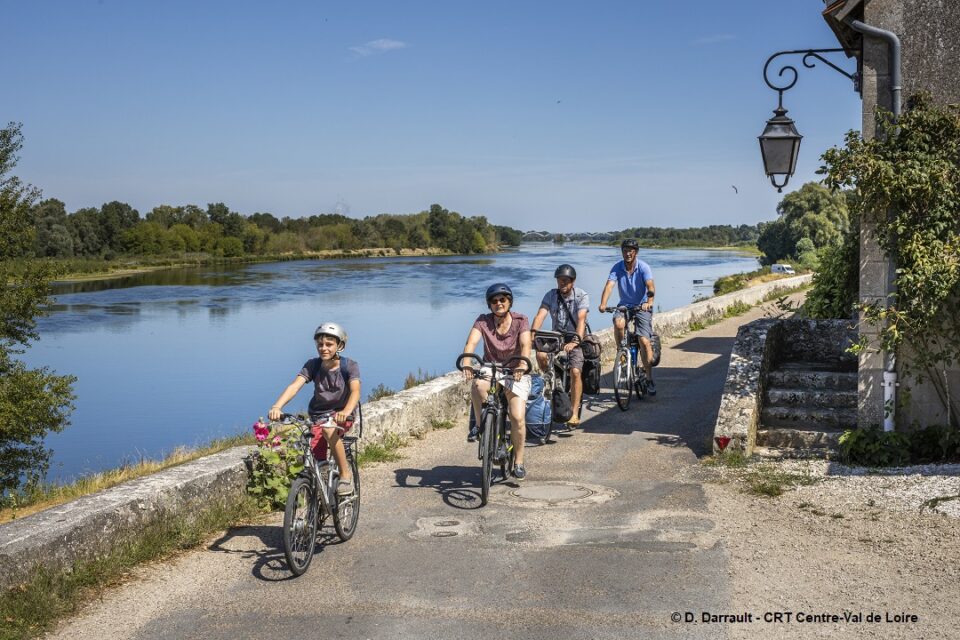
pixel 318 444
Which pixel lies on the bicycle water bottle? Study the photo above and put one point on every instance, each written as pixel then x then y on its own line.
pixel 633 353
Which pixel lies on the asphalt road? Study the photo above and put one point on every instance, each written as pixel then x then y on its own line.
pixel 606 538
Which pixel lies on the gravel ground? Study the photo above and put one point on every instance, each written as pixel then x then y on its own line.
pixel 842 539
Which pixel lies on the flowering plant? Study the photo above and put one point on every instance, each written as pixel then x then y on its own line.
pixel 275 463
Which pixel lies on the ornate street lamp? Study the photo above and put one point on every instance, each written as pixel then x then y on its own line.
pixel 780 140
pixel 779 145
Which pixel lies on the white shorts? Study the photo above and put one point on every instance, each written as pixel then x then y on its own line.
pixel 520 388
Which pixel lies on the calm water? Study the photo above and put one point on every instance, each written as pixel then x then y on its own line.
pixel 181 357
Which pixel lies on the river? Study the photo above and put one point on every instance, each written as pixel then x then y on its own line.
pixel 180 357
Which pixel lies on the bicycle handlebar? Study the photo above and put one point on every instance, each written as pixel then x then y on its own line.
pixel 493 365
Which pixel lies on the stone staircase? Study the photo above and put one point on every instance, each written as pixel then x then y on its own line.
pixel 809 399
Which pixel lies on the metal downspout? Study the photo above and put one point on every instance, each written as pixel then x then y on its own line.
pixel 896 85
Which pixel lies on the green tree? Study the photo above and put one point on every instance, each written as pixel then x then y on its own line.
pixel 84 225
pixel 53 237
pixel 115 218
pixel 813 212
pixel 33 402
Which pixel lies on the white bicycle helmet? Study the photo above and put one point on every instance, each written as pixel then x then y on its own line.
pixel 334 330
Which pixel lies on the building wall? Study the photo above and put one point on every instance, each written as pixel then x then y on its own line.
pixel 929 32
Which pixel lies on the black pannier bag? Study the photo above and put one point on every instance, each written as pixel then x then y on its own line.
pixel 560 406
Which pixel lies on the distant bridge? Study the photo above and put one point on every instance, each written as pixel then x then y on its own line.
pixel 581 236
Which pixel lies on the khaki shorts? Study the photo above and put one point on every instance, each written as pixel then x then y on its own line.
pixel 520 388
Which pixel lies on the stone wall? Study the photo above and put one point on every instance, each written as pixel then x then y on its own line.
pixel 92 525
pixel 930 62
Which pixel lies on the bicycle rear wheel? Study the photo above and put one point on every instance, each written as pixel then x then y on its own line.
pixel 300 525
pixel 640 383
pixel 348 507
pixel 488 449
pixel 622 383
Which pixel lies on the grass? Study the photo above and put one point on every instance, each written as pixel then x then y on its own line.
pixel 442 424
pixel 380 391
pixel 383 451
pixel 767 480
pixel 46 495
pixel 29 609
pixel 415 379
pixel 760 479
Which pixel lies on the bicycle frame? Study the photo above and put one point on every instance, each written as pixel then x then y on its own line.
pixel 324 474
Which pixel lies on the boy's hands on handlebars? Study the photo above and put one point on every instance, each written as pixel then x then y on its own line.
pixel 274 413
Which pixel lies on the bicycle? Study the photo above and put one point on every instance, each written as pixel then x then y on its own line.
pixel 313 494
pixel 494 441
pixel 629 375
pixel 558 369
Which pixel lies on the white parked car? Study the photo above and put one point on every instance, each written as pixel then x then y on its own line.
pixel 782 268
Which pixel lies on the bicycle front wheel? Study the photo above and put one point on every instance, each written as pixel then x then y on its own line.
pixel 300 525
pixel 622 383
pixel 488 451
pixel 348 507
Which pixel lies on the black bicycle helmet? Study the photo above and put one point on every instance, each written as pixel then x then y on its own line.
pixel 498 289
pixel 629 243
pixel 565 271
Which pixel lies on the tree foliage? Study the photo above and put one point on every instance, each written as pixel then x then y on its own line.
pixel 715 235
pixel 907 180
pixel 811 218
pixel 115 229
pixel 33 402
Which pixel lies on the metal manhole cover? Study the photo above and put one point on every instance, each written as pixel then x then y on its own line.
pixel 551 492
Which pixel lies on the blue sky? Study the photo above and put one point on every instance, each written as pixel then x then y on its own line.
pixel 558 115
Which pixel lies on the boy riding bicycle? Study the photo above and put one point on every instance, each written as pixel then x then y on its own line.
pixel 336 382
pixel 505 334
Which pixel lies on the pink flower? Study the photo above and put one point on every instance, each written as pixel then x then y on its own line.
pixel 276 441
pixel 260 431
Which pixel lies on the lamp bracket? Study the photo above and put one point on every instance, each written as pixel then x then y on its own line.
pixel 810 56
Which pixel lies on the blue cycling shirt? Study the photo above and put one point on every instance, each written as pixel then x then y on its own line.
pixel 632 286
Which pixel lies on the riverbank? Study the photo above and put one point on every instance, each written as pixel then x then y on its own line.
pixel 106 270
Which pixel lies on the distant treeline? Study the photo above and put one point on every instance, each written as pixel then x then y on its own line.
pixel 716 235
pixel 116 230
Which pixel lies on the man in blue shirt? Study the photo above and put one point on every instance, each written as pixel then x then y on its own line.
pixel 634 280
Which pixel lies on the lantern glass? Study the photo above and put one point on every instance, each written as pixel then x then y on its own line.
pixel 780 145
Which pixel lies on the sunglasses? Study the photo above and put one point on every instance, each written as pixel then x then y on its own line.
pixel 502 300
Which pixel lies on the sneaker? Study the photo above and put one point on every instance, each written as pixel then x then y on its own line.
pixel 519 472
pixel 474 433
pixel 345 487
pixel 651 388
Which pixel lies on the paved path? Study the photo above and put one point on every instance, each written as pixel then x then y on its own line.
pixel 633 542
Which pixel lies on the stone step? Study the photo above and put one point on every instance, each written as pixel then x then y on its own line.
pixel 790 378
pixel 812 398
pixel 772 417
pixel 790 453
pixel 848 365
pixel 803 441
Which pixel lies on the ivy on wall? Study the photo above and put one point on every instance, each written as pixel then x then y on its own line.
pixel 907 183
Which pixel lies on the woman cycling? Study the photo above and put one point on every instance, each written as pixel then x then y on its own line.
pixel 505 334
pixel 336 387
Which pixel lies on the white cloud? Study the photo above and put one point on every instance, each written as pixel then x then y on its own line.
pixel 378 46
pixel 714 39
